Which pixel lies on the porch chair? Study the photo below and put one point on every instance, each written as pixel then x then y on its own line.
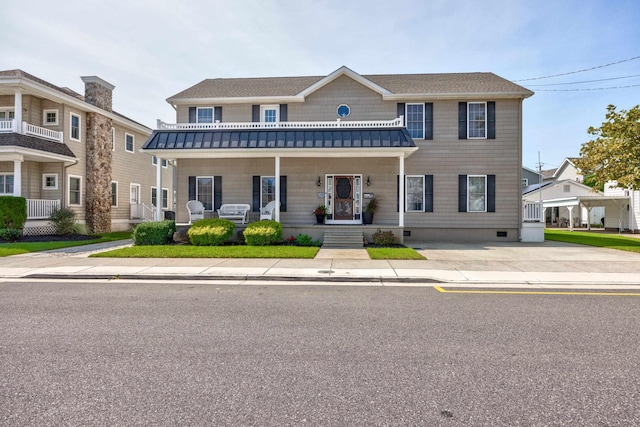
pixel 267 211
pixel 196 210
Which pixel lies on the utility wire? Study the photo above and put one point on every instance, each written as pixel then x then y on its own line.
pixel 586 89
pixel 578 71
pixel 585 81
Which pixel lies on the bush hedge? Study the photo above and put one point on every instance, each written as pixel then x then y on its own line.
pixel 13 212
pixel 383 238
pixel 211 232
pixel 263 233
pixel 154 233
pixel 10 234
pixel 63 221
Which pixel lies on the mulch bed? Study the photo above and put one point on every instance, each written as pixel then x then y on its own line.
pixel 55 238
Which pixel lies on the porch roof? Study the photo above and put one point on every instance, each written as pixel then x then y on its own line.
pixel 39 145
pixel 361 142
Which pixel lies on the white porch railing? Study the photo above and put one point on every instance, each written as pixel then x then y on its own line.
pixel 41 209
pixel 32 130
pixel 142 211
pixel 532 212
pixel 398 122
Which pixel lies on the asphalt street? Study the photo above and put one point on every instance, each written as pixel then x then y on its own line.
pixel 119 353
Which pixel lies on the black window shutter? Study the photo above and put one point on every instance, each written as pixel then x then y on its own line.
pixel 283 193
pixel 401 112
pixel 428 193
pixel 462 193
pixel 217 192
pixel 192 114
pixel 462 121
pixel 217 114
pixel 491 120
pixel 491 193
pixel 428 120
pixel 255 113
pixel 397 193
pixel 192 188
pixel 256 193
pixel 283 112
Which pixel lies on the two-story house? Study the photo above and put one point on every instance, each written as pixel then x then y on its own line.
pixel 61 149
pixel 440 152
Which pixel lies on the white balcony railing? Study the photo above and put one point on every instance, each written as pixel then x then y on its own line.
pixel 32 130
pixel 41 209
pixel 142 211
pixel 532 212
pixel 338 124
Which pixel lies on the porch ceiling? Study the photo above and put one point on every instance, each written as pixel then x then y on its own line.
pixel 175 144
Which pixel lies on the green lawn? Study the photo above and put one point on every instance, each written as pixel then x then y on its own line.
pixel 611 241
pixel 188 251
pixel 393 253
pixel 7 249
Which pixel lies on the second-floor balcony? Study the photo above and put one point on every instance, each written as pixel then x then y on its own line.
pixel 24 128
pixel 337 124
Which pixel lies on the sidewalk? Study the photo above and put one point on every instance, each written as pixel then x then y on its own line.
pixel 447 263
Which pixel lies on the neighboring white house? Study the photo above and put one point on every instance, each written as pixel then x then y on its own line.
pixel 629 214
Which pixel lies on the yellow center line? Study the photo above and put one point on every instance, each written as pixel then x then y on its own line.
pixel 469 291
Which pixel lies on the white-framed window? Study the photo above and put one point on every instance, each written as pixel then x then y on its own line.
pixel 113 139
pixel 74 127
pixel 6 183
pixel 269 113
pixel 476 193
pixel 267 190
pixel 114 193
pixel 414 188
pixel 154 161
pixel 134 194
pixel 7 114
pixel 50 117
pixel 128 142
pixel 204 191
pixel 50 181
pixel 477 120
pixel 414 119
pixel 204 115
pixel 75 190
pixel 525 182
pixel 165 197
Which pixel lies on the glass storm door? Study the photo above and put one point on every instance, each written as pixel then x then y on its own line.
pixel 343 197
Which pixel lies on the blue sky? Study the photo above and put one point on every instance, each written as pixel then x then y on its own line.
pixel 151 49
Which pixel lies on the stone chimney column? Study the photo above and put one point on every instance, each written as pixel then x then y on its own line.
pixel 98 195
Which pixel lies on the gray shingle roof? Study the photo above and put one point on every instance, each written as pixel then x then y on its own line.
pixel 16 139
pixel 400 84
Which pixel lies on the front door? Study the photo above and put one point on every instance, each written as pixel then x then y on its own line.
pixel 343 198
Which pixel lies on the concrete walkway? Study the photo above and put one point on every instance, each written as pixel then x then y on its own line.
pixel 447 263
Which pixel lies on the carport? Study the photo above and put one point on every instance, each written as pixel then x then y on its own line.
pixel 589 202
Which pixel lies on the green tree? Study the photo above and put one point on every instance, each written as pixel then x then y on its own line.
pixel 614 154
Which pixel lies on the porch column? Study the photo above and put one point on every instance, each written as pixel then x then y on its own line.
pixel 401 191
pixel 544 217
pixel 570 217
pixel 159 189
pixel 588 217
pixel 276 212
pixel 17 113
pixel 17 177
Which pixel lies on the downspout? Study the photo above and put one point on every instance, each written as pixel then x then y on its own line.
pixel 519 181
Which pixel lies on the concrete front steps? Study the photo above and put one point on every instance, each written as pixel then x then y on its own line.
pixel 343 239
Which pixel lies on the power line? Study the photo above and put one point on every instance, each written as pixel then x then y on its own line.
pixel 587 89
pixel 585 81
pixel 578 71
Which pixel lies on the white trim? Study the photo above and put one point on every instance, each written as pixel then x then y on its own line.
pixel 133 143
pixel 162 198
pixel 206 108
pixel 69 190
pixel 71 115
pixel 162 205
pixel 154 160
pixel 268 107
pixel 406 198
pixel 5 175
pixel 117 189
pixel 261 188
pixel 44 117
pixel 469 121
pixel 213 184
pixel 31 153
pixel 406 118
pixel 485 192
pixel 44 181
pixel 343 71
pixel 133 185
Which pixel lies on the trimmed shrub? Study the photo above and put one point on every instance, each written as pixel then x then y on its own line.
pixel 13 212
pixel 10 234
pixel 63 221
pixel 306 240
pixel 383 238
pixel 263 233
pixel 211 232
pixel 154 233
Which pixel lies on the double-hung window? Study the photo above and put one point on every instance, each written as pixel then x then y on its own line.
pixel 204 115
pixel 415 193
pixel 477 193
pixel 6 183
pixel 75 190
pixel 75 127
pixel 267 190
pixel 114 193
pixel 165 197
pixel 204 191
pixel 477 119
pixel 128 142
pixel 415 120
pixel 269 113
